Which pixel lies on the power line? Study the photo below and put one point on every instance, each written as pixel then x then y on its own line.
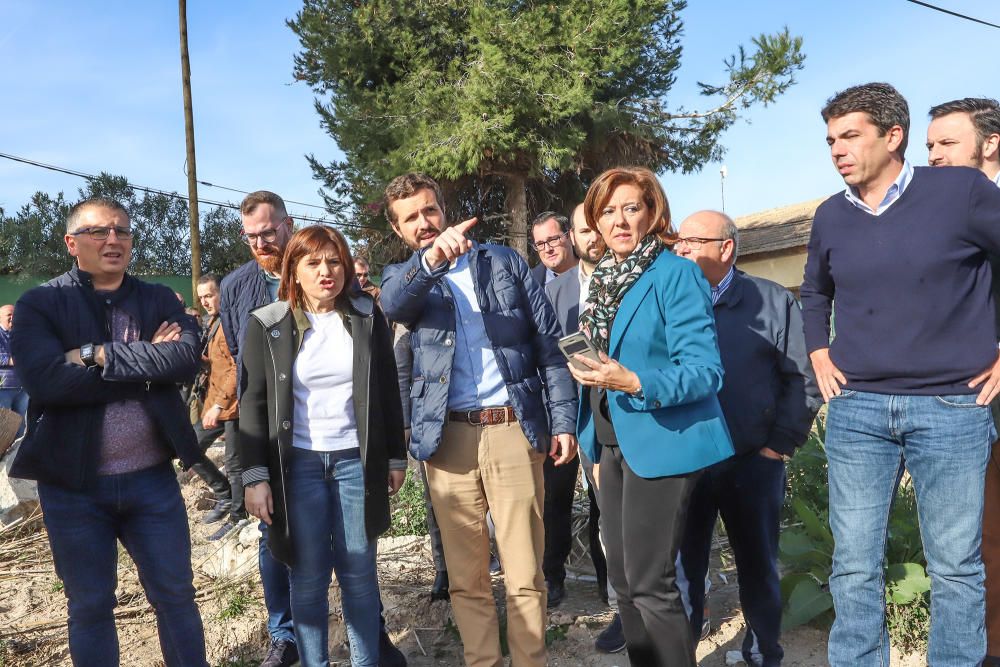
pixel 948 11
pixel 174 195
pixel 246 192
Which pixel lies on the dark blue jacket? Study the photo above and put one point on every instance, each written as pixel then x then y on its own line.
pixel 241 291
pixel 65 413
pixel 769 396
pixel 520 324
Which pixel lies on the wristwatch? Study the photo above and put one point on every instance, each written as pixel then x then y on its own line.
pixel 87 355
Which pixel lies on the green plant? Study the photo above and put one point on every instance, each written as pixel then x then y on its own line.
pixel 806 552
pixel 555 633
pixel 409 513
pixel 238 602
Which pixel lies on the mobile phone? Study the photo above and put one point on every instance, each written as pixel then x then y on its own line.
pixel 577 343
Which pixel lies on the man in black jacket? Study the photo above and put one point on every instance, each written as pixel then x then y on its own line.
pixel 267 227
pixel 769 399
pixel 101 354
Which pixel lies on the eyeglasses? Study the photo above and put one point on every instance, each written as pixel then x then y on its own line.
pixel 102 233
pixel 697 240
pixel 550 242
pixel 267 237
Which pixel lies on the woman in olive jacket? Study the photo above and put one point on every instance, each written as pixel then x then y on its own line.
pixel 320 420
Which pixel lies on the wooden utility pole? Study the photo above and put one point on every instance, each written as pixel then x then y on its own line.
pixel 192 172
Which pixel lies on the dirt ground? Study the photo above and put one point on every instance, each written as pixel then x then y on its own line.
pixel 33 610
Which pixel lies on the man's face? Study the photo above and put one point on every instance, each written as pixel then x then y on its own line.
pixel 267 231
pixel 861 156
pixel 699 241
pixel 107 258
pixel 588 244
pixel 952 142
pixel 555 251
pixel 419 219
pixel 361 271
pixel 208 297
pixel 6 317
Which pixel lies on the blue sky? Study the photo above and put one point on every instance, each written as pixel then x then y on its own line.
pixel 96 87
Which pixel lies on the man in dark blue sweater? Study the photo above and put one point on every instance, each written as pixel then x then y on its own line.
pixel 769 398
pixel 904 252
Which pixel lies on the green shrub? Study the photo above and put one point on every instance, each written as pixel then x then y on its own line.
pixel 409 514
pixel 806 553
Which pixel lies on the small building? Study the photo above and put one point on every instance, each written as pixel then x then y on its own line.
pixel 773 242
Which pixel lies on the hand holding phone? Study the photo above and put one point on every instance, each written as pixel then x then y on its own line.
pixel 577 343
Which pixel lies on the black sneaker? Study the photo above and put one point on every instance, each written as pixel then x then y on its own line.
pixel 283 653
pixel 218 512
pixel 612 638
pixel 388 654
pixel 557 593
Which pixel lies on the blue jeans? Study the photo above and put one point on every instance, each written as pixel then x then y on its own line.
pixel 944 443
pixel 16 400
pixel 277 600
pixel 326 516
pixel 145 511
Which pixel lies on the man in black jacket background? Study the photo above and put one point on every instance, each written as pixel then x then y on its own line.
pixel 769 398
pixel 101 354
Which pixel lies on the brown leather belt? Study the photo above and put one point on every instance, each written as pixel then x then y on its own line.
pixel 484 417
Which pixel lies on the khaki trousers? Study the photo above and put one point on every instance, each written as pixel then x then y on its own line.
pixel 480 468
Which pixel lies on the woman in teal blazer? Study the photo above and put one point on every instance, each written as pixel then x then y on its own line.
pixel 648 409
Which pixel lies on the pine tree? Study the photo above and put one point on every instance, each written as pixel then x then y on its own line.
pixel 513 104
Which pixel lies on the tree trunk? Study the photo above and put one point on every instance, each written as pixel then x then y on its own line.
pixel 192 171
pixel 517 206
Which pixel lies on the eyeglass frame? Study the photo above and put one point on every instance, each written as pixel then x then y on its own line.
pixel 548 243
pixel 697 240
pixel 121 233
pixel 251 239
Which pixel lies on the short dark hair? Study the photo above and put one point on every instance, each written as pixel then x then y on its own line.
pixel 885 106
pixel 209 278
pixel 983 111
pixel 406 186
pixel 545 216
pixel 73 217
pixel 255 199
pixel 308 240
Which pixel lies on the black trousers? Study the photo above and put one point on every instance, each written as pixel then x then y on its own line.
pixel 227 486
pixel 643 523
pixel 747 491
pixel 560 486
pixel 594 530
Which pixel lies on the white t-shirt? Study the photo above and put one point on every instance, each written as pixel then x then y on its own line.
pixel 323 386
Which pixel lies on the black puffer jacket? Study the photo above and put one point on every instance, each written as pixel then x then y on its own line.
pixel 66 410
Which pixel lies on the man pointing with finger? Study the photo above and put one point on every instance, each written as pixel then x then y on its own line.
pixel 484 343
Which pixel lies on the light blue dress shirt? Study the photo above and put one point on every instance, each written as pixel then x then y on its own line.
pixel 894 192
pixel 476 381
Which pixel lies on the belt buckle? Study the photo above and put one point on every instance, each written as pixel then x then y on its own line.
pixel 468 417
